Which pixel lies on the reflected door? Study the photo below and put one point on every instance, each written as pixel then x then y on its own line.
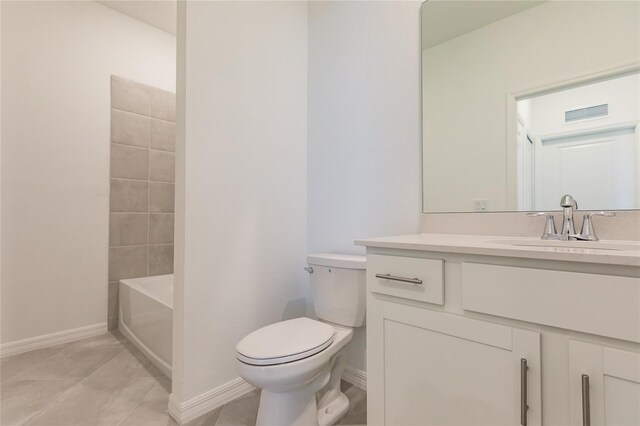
pixel 599 169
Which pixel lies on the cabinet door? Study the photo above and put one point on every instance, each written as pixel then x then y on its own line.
pixel 442 369
pixel 613 387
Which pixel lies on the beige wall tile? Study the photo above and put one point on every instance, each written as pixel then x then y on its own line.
pixel 163 135
pixel 129 129
pixel 163 104
pixel 127 262
pixel 162 166
pixel 113 304
pixel 161 197
pixel 160 259
pixel 130 96
pixel 161 228
pixel 128 195
pixel 128 229
pixel 129 162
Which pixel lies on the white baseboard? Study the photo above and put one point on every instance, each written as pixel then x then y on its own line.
pixel 53 339
pixel 202 404
pixel 356 377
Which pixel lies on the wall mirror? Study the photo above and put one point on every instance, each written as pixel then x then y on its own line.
pixel 524 101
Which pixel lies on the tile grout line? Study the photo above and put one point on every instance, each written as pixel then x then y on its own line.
pixel 60 397
pixel 145 180
pixel 141 147
pixel 149 116
pixel 149 190
pixel 137 405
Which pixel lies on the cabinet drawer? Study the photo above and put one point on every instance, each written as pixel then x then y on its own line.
pixel 604 305
pixel 424 277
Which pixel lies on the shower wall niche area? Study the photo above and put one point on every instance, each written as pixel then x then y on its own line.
pixel 141 212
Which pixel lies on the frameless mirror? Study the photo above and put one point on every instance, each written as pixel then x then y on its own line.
pixel 524 101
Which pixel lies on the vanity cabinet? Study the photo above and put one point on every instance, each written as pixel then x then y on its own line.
pixel 466 339
pixel 445 369
pixel 604 385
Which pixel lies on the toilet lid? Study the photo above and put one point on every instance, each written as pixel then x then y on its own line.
pixel 285 341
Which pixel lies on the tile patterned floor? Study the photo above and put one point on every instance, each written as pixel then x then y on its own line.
pixel 105 380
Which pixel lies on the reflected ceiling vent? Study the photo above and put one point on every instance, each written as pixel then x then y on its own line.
pixel 588 112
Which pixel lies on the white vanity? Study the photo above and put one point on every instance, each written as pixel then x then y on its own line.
pixel 471 330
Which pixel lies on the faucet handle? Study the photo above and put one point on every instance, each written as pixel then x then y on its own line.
pixel 550 232
pixel 588 233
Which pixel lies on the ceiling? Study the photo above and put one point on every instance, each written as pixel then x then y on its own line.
pixel 161 14
pixel 443 20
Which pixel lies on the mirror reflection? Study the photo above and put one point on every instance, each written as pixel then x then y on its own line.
pixel 525 101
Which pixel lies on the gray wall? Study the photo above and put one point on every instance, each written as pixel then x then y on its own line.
pixel 142 184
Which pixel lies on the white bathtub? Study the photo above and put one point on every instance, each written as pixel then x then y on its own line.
pixel 146 317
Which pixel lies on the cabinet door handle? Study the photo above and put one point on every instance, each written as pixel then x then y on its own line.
pixel 524 403
pixel 586 403
pixel 401 279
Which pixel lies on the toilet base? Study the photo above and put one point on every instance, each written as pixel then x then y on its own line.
pixel 334 411
pixel 288 408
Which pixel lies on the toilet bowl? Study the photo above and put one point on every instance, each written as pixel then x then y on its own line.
pixel 298 363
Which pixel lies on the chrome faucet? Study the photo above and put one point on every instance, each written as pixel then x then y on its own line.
pixel 569 205
pixel 568 232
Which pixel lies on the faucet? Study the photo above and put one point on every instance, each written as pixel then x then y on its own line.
pixel 568 232
pixel 569 205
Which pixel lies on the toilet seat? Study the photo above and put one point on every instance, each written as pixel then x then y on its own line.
pixel 285 341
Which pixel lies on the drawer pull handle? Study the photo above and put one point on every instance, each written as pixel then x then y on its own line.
pixel 401 279
pixel 586 403
pixel 524 403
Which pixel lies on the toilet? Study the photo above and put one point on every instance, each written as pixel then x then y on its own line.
pixel 298 363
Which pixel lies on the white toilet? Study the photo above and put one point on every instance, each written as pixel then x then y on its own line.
pixel 298 363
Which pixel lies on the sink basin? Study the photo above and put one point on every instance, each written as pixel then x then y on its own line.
pixel 585 245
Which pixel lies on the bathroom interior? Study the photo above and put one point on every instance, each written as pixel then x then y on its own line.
pixel 320 212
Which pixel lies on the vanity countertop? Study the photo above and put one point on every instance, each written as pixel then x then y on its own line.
pixel 624 253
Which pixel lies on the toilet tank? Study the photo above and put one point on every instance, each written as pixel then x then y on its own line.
pixel 338 288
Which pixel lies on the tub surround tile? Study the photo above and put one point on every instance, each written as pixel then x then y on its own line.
pixel 21 399
pixel 129 129
pixel 128 229
pixel 129 195
pixel 160 259
pixel 142 182
pixel 162 166
pixel 163 104
pixel 161 197
pixel 163 135
pixel 161 228
pixel 96 401
pixel 127 95
pixel 129 162
pixel 127 262
pixel 112 309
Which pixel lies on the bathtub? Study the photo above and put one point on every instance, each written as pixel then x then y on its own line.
pixel 146 317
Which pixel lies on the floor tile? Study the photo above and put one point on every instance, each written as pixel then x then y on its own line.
pixel 73 362
pixel 242 411
pixel 357 414
pixel 21 399
pixel 128 363
pixel 13 365
pixel 152 410
pixel 209 419
pixel 96 401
